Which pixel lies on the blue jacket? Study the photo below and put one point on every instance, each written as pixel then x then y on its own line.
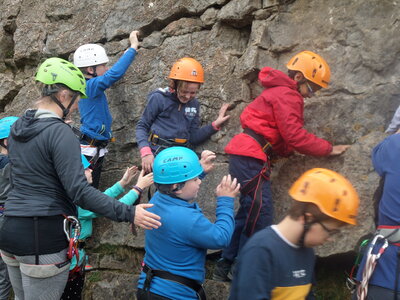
pixel 86 217
pixel 385 159
pixel 395 123
pixel 95 115
pixel 180 244
pixel 167 117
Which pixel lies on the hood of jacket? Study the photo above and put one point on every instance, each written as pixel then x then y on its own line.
pixel 270 77
pixel 31 124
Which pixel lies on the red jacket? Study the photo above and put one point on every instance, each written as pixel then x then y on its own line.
pixel 277 115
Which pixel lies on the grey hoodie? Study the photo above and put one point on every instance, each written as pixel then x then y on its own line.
pixel 47 174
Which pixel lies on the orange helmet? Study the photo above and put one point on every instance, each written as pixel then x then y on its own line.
pixel 313 67
pixel 187 69
pixel 331 192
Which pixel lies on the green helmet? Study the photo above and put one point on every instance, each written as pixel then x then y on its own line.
pixel 57 70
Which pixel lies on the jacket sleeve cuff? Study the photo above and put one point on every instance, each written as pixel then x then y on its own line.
pixel 215 127
pixel 145 151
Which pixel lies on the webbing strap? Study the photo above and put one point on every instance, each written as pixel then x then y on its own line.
pixel 190 283
pixel 254 188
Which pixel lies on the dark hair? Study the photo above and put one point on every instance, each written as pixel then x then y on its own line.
pixel 298 209
pixel 167 188
pixel 292 73
pixel 49 89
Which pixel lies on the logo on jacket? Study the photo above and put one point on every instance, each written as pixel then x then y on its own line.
pixel 190 112
pixel 299 273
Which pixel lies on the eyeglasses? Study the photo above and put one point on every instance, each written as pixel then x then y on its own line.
pixel 329 231
pixel 310 89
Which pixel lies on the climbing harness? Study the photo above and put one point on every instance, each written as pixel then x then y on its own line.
pixel 190 283
pixel 162 144
pixel 254 185
pixel 72 229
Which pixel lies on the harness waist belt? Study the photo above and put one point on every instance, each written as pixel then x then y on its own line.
pixel 157 140
pixel 89 140
pixel 391 233
pixel 265 145
pixel 190 283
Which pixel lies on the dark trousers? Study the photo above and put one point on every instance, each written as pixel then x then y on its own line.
pixel 145 295
pixel 73 289
pixel 245 168
pixel 96 167
pixel 378 293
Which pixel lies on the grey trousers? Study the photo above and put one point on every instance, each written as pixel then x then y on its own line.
pixel 5 284
pixel 45 281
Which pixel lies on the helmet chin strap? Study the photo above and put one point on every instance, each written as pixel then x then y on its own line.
pixel 306 227
pixel 65 111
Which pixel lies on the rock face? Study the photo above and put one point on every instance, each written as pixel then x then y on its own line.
pixel 233 40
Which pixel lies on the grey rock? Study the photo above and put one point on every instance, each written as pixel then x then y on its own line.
pixel 233 40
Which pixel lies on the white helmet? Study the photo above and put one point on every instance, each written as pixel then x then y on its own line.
pixel 90 55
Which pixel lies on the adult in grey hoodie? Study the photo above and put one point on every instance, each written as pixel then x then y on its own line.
pixel 48 182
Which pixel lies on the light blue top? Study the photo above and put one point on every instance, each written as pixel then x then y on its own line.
pixel 86 217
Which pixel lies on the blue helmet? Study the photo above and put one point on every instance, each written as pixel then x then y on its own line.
pixel 85 162
pixel 5 126
pixel 175 165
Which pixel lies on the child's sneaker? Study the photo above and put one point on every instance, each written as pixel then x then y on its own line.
pixel 221 270
pixel 88 268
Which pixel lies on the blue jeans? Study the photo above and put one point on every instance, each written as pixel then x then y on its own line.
pixel 245 168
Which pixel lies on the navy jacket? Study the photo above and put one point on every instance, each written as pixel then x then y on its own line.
pixel 386 162
pixel 269 268
pixel 167 117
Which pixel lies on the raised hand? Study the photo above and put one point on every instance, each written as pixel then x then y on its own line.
pixel 144 181
pixel 221 115
pixel 228 187
pixel 207 160
pixel 128 176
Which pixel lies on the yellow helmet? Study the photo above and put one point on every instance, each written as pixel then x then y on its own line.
pixel 187 69
pixel 334 195
pixel 313 67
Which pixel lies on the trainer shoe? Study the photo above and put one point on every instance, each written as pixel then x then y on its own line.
pixel 221 270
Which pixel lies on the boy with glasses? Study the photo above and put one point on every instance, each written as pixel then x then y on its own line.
pixel 278 261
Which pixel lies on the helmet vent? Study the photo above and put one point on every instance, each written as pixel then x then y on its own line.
pixel 295 61
pixel 303 191
pixel 344 193
pixel 335 208
pixel 314 72
pixel 332 180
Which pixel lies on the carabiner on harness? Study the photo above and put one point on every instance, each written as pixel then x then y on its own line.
pixel 72 230
pixel 370 264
